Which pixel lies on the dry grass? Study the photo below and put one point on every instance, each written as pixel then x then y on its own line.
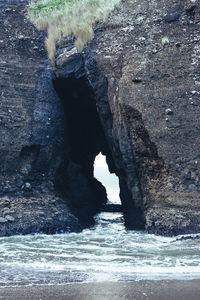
pixel 62 18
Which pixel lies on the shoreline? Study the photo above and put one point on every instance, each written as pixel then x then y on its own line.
pixel 133 290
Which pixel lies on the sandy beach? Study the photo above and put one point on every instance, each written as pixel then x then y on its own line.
pixel 135 290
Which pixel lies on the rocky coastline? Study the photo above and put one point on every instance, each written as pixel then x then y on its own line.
pixel 132 94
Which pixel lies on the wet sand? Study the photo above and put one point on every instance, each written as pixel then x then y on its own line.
pixel 135 290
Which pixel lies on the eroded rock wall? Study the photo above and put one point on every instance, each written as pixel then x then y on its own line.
pixel 31 130
pixel 149 53
pixel 34 145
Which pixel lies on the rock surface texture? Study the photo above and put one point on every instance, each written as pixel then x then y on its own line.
pixel 149 54
pixel 137 101
pixel 31 131
pixel 33 139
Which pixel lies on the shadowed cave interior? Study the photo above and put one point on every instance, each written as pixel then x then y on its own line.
pixel 84 140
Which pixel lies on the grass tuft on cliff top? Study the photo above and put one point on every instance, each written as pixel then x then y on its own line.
pixel 62 18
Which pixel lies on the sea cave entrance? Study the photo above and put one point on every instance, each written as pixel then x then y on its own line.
pixel 110 182
pixel 85 140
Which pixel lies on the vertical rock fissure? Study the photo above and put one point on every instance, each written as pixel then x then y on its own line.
pixel 113 121
pixel 85 139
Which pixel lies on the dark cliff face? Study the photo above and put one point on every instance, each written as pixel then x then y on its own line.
pixel 39 177
pixel 143 69
pixel 133 95
pixel 149 54
pixel 31 126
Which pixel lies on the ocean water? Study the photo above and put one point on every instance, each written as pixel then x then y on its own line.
pixel 106 252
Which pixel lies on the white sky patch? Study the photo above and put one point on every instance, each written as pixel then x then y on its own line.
pixel 110 181
pixel 100 162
